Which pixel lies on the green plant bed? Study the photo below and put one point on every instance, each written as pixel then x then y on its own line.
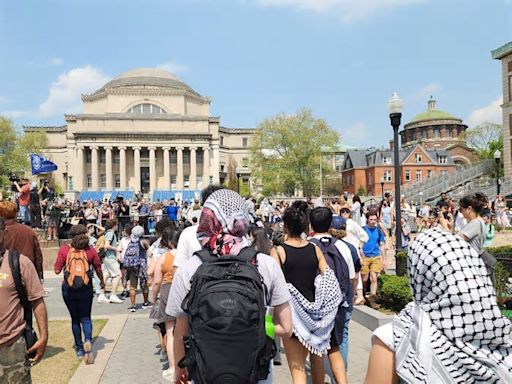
pixel 401 263
pixel 507 313
pixel 393 292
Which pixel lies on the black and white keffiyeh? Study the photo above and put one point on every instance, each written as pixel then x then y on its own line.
pixel 453 330
pixel 313 322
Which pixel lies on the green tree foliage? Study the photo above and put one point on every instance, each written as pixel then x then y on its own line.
pixel 15 149
pixel 286 152
pixel 485 138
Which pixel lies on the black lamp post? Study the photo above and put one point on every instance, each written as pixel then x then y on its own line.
pixel 238 174
pixel 395 107
pixel 382 187
pixel 497 158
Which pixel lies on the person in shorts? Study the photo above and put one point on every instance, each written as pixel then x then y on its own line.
pixel 110 262
pixel 374 254
pixel 135 267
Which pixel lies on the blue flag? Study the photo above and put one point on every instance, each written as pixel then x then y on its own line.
pixel 41 165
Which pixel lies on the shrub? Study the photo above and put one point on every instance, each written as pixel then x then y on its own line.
pixel 401 263
pixel 503 254
pixel 501 276
pixel 393 292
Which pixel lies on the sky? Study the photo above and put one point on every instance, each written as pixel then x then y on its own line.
pixel 343 59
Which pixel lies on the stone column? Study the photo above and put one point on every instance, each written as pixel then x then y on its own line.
pixel 94 168
pixel 215 164
pixel 152 168
pixel 136 168
pixel 179 168
pixel 109 169
pixel 167 168
pixel 122 167
pixel 193 171
pixel 79 169
pixel 206 166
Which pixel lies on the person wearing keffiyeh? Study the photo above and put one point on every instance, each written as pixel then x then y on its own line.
pixel 453 331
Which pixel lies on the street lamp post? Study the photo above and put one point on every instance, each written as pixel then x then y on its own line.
pixel 238 174
pixel 395 107
pixel 382 187
pixel 497 158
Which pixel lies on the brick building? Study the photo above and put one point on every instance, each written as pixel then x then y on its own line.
pixel 368 168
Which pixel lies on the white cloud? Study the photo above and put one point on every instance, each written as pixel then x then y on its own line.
pixel 173 66
pixel 349 10
pixel 64 94
pixel 491 112
pixel 355 134
pixel 56 61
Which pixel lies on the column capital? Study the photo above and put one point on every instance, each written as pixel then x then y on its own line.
pixel 152 148
pixel 166 148
pixel 179 148
pixel 122 148
pixel 136 148
pixel 192 148
pixel 93 147
pixel 108 147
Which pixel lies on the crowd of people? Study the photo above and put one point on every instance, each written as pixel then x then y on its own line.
pixel 233 282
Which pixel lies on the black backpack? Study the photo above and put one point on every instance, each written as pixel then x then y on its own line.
pixel 226 315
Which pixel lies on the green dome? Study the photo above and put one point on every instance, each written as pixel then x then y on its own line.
pixel 432 115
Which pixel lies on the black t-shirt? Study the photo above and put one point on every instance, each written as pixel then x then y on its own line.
pixel 34 197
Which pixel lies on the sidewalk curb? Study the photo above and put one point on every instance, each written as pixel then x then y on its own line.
pixel 108 338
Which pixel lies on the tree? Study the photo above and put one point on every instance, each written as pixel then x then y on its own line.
pixel 15 149
pixel 482 136
pixel 361 191
pixel 286 152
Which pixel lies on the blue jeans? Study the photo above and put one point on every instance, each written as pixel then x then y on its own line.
pixel 24 214
pixel 79 303
pixel 344 342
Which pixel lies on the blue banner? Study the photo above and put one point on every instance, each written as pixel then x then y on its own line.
pixel 41 165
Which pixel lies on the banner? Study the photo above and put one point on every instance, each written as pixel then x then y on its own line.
pixel 41 165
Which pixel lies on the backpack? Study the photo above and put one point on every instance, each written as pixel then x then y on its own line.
pixel 134 252
pixel 77 271
pixel 225 306
pixel 100 246
pixel 335 261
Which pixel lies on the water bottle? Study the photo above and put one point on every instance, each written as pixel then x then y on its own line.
pixel 269 323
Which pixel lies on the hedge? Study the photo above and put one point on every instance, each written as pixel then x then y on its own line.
pixel 393 292
pixel 401 263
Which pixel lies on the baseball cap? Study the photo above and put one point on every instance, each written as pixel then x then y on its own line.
pixel 338 222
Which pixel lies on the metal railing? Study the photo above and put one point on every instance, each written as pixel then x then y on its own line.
pixel 433 187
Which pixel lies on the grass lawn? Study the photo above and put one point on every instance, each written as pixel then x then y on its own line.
pixel 60 362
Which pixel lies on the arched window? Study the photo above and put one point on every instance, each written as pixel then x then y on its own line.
pixel 146 108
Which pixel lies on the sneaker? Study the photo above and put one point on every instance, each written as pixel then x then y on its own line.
pixel 124 294
pixel 168 374
pixel 132 308
pixel 102 299
pixel 80 353
pixel 88 356
pixel 147 305
pixel 116 300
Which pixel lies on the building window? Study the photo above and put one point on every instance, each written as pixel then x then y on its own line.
pixel 443 160
pixel 418 176
pixel 245 162
pixel 173 181
pixel 173 157
pixel 186 157
pixel 244 142
pixel 424 134
pixel 103 157
pixel 186 182
pixel 222 168
pixel 443 173
pixel 437 133
pixel 88 157
pixel 429 174
pixel 117 181
pixel 388 175
pixel 407 175
pixel 222 140
pixel 89 181
pixel 386 160
pixel 146 108
pixel 103 180
pixel 116 157
pixel 418 158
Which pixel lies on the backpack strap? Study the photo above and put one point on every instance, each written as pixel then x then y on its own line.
pixel 205 255
pixel 14 263
pixel 249 254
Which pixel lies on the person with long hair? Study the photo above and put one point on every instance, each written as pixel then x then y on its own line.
pixel 500 206
pixel 356 209
pixel 301 262
pixel 162 279
pixel 453 330
pixel 79 300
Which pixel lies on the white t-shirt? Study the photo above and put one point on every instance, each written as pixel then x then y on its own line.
pixel 355 234
pixel 345 252
pixel 187 245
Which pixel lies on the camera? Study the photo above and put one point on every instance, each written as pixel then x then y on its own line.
pixel 14 178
